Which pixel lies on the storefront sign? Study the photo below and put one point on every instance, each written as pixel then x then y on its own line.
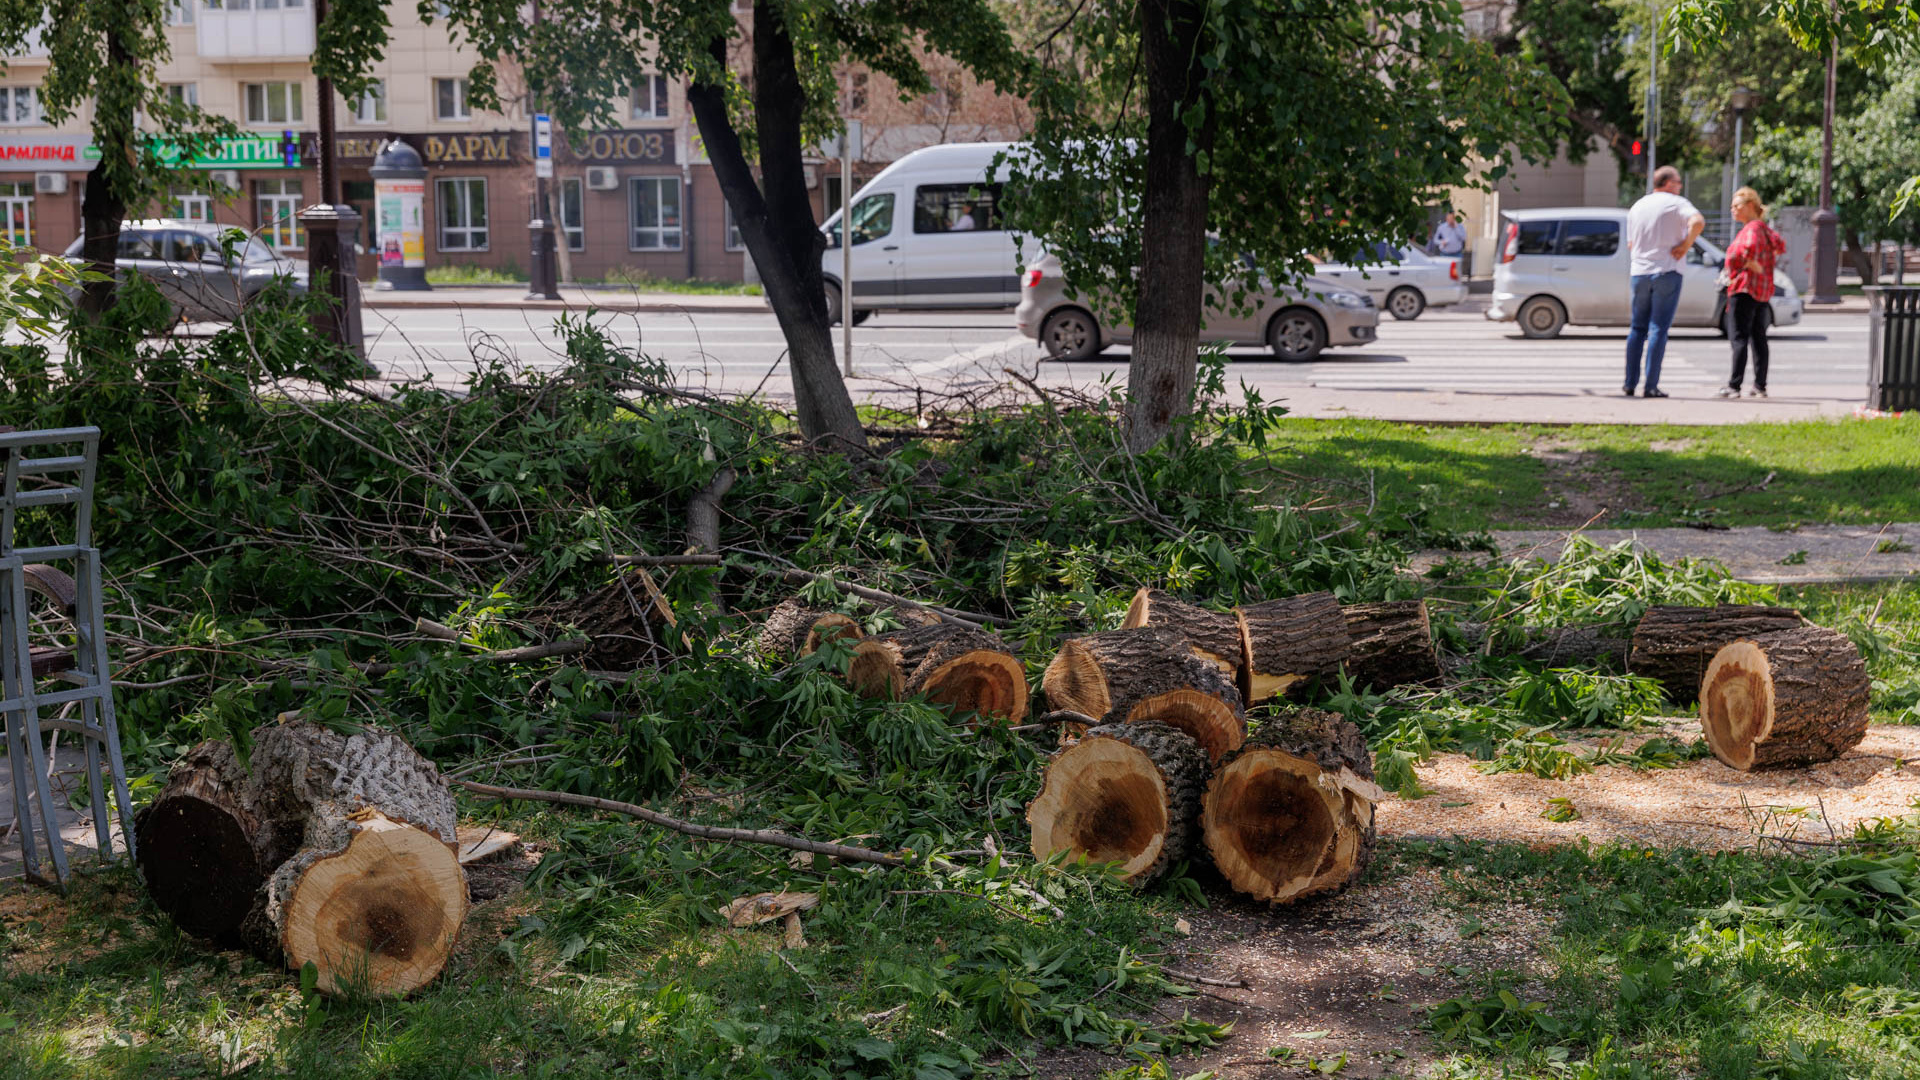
pixel 45 153
pixel 654 147
pixel 282 151
pixel 402 222
pixel 483 148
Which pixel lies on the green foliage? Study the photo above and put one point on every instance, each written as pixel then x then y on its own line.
pixel 1875 150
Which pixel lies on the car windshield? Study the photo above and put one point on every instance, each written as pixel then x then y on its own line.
pixel 257 251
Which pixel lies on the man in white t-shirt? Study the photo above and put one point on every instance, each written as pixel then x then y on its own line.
pixel 1661 228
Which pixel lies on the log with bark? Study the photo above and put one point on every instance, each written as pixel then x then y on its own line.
pixel 1392 643
pixel 1289 645
pixel 1290 815
pixel 1674 644
pixel 1121 676
pixel 333 849
pixel 793 630
pixel 1124 793
pixel 964 670
pixel 1212 635
pixel 1791 697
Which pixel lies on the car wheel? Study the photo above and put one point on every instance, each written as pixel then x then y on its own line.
pixel 1070 334
pixel 1542 317
pixel 861 315
pixel 1406 303
pixel 1296 335
pixel 833 305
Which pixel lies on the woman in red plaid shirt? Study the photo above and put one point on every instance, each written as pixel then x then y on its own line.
pixel 1749 289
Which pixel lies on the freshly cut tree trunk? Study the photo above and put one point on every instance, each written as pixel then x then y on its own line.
pixel 1204 704
pixel 197 843
pixel 1290 814
pixel 1674 644
pixel 1125 793
pixel 1289 644
pixel 965 670
pixel 1211 635
pixel 1144 674
pixel 1792 697
pixel 876 670
pixel 1392 643
pixel 793 630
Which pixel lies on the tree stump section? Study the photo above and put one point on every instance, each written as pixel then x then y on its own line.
pixel 1144 674
pixel 1211 635
pixel 793 630
pixel 1204 704
pixel 347 843
pixel 1392 643
pixel 961 669
pixel 1290 815
pixel 1126 794
pixel 1792 697
pixel 1674 644
pixel 1289 644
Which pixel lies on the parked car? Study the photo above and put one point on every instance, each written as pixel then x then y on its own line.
pixel 187 262
pixel 927 234
pixel 1569 266
pixel 1403 281
pixel 1295 323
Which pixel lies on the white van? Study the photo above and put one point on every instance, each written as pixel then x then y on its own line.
pixel 927 233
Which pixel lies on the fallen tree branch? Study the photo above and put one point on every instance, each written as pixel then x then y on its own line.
pixel 703 511
pixel 688 828
pixel 519 655
pixel 663 560
pixel 1202 980
pixel 969 619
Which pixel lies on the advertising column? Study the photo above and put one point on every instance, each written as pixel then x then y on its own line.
pixel 399 195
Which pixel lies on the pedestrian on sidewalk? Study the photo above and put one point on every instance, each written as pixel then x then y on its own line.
pixel 1749 270
pixel 1449 237
pixel 1661 228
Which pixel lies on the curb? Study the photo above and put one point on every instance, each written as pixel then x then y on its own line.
pixel 612 304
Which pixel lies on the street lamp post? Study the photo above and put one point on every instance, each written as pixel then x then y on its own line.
pixel 1826 223
pixel 331 229
pixel 1743 101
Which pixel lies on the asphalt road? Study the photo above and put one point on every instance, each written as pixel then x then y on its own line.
pixel 1444 366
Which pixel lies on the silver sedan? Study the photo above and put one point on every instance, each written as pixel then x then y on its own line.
pixel 1404 281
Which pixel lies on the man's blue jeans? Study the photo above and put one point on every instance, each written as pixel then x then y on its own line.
pixel 1655 297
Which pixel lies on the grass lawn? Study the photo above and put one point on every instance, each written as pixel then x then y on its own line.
pixel 1516 475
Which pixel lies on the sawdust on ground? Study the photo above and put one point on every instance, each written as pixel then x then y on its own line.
pixel 1703 804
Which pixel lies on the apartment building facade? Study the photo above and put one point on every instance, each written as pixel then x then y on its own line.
pixel 634 198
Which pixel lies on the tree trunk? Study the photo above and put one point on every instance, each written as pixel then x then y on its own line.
pixel 1291 814
pixel 1125 793
pixel 197 843
pixel 1121 676
pixel 1211 634
pixel 103 205
pixel 961 669
pixel 1290 644
pixel 1674 644
pixel 1863 264
pixel 778 227
pixel 1791 697
pixel 1392 643
pixel 794 631
pixel 1167 311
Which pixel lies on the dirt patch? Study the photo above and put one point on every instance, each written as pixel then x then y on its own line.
pixel 1670 446
pixel 1578 485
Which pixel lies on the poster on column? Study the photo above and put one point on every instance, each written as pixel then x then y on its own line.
pixel 403 230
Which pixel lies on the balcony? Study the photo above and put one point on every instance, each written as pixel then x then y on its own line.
pixel 278 34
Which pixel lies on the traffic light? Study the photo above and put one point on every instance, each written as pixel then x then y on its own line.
pixel 1637 158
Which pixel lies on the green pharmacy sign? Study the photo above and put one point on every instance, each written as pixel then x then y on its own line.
pixel 280 151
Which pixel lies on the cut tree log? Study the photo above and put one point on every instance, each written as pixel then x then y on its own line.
pixel 347 844
pixel 1149 673
pixel 1392 643
pixel 1126 794
pixel 1791 697
pixel 964 670
pixel 1212 635
pixel 1290 815
pixel 1288 645
pixel 793 630
pixel 1674 644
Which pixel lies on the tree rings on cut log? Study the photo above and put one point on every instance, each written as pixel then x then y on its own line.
pixel 794 630
pixel 378 917
pixel 1289 644
pixel 1792 697
pixel 1392 643
pixel 1290 814
pixel 1212 635
pixel 875 670
pixel 196 844
pixel 1673 645
pixel 1126 794
pixel 962 669
pixel 1118 675
pixel 1205 706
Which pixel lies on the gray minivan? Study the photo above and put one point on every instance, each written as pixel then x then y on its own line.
pixel 1569 266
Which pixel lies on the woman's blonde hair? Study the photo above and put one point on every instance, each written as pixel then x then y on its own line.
pixel 1751 198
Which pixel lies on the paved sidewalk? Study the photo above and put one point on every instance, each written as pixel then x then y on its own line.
pixel 76 826
pixel 1820 554
pixel 605 298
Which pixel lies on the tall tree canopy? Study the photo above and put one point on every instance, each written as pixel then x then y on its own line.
pixel 1282 127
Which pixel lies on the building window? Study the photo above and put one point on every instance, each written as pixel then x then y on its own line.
pixel 372 106
pixel 463 213
pixel 180 13
pixel 16 214
pixel 19 105
pixel 190 206
pixel 572 216
pixel 273 103
pixel 735 242
pixel 184 93
pixel 450 100
pixel 649 98
pixel 278 205
pixel 857 92
pixel 654 205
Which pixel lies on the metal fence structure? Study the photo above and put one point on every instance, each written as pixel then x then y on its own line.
pixel 1893 347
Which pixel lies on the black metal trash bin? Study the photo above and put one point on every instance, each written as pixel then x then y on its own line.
pixel 1893 347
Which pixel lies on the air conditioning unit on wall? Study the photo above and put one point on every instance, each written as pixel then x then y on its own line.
pixel 50 183
pixel 602 177
pixel 226 178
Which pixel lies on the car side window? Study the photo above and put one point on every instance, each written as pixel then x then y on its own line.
pixel 1538 237
pixel 1590 238
pixel 136 245
pixel 943 208
pixel 872 218
pixel 187 247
